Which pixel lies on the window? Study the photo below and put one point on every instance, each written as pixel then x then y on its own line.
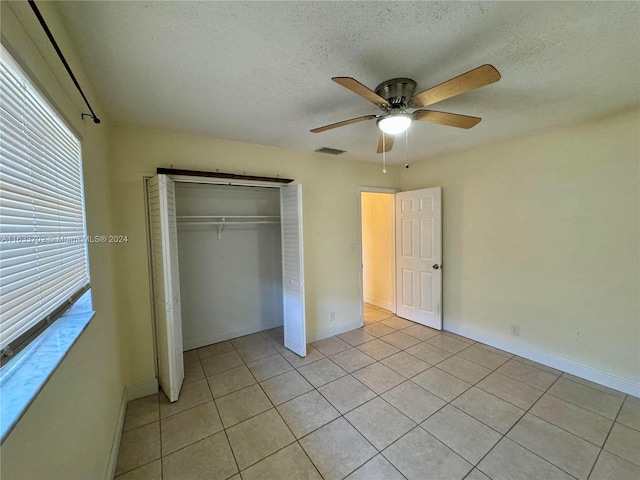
pixel 43 249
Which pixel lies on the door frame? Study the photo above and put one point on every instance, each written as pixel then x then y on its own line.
pixel 391 191
pixel 145 181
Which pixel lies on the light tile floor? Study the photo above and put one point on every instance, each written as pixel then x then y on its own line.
pixel 391 400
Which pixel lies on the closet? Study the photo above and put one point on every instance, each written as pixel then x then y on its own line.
pixel 230 261
pixel 226 261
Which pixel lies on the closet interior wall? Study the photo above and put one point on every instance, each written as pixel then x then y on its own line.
pixel 230 261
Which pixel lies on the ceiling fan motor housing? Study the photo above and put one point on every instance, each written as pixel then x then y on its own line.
pixel 397 91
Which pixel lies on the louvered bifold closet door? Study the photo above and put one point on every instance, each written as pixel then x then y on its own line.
pixel 166 284
pixel 295 336
pixel 43 249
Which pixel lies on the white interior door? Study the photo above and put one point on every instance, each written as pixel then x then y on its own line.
pixel 419 256
pixel 166 284
pixel 295 335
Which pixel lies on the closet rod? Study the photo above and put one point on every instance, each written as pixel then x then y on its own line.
pixel 180 217
pixel 228 223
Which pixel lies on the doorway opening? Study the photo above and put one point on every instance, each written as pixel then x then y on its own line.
pixel 401 245
pixel 377 221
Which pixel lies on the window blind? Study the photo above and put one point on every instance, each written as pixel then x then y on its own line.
pixel 43 250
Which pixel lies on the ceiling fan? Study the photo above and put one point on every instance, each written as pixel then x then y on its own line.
pixel 396 96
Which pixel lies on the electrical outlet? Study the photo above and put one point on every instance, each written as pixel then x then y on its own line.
pixel 332 316
pixel 515 330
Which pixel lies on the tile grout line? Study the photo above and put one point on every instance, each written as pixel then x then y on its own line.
pixel 419 425
pixel 580 406
pixel 560 375
pixel 275 408
pixel 162 455
pixel 607 437
pixel 592 388
pixel 600 390
pixel 159 436
pixel 248 418
pixel 430 434
pixel 511 379
pixel 226 435
pixel 563 429
pixel 453 406
pixel 522 446
pixel 362 434
pixel 343 415
pixel 404 379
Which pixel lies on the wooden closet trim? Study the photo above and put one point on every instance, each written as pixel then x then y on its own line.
pixel 232 176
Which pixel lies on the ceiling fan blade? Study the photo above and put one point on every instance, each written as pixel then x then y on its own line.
pixel 388 142
pixel 444 118
pixel 358 88
pixel 476 78
pixel 343 123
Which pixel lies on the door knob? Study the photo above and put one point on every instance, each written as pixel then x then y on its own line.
pixel 436 266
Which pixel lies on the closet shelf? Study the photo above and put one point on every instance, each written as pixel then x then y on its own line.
pixel 225 219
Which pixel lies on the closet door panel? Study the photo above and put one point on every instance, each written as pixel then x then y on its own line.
pixel 295 338
pixel 166 284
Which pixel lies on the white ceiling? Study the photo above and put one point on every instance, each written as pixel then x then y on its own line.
pixel 260 72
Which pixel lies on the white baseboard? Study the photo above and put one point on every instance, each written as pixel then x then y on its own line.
pixel 130 393
pixel 329 330
pixel 379 303
pixel 117 435
pixel 190 344
pixel 588 373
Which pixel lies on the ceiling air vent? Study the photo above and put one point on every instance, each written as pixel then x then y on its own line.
pixel 330 151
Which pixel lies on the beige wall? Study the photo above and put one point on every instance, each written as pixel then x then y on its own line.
pixel 543 232
pixel 67 432
pixel 378 254
pixel 330 210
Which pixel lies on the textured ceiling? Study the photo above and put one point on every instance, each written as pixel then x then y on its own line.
pixel 260 72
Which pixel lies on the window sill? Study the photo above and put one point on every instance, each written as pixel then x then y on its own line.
pixel 24 376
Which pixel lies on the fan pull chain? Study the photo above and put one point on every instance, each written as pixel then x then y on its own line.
pixel 406 147
pixel 384 153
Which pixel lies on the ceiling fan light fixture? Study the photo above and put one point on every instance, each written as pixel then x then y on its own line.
pixel 395 123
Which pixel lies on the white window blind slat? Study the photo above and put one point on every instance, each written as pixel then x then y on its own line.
pixel 23 318
pixel 43 252
pixel 16 255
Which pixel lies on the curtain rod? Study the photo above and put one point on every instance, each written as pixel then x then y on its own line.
pixel 64 61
